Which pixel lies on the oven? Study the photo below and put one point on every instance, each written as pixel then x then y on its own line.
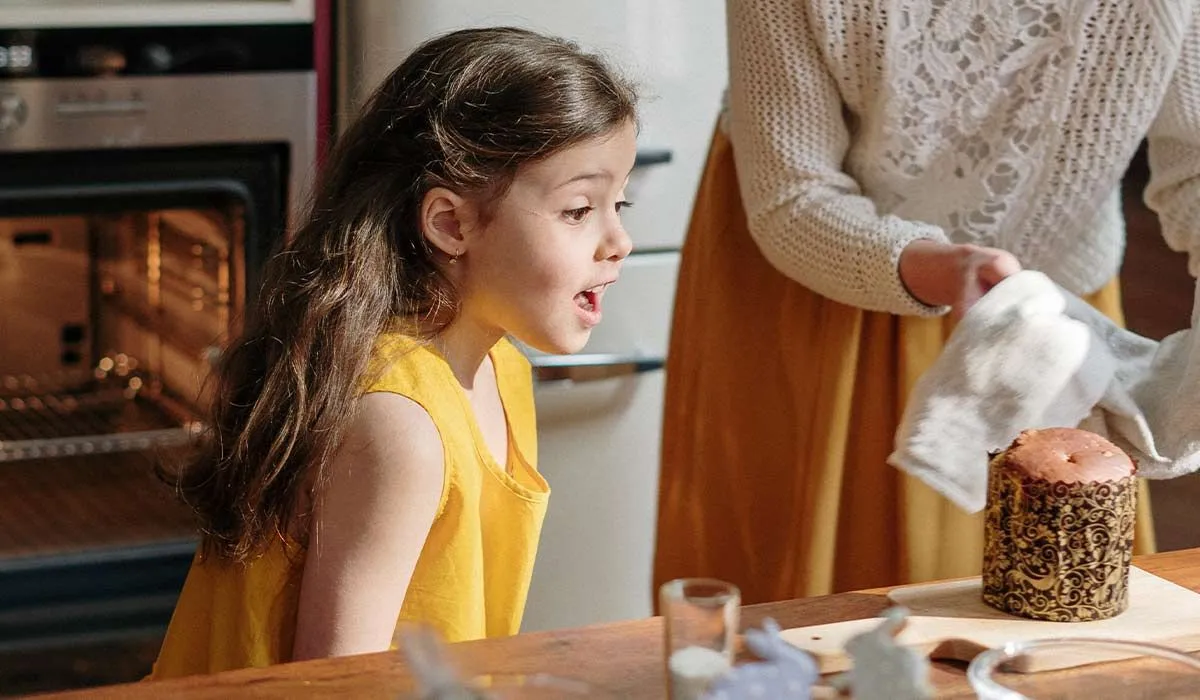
pixel 150 159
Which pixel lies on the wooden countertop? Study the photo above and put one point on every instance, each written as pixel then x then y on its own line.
pixel 625 658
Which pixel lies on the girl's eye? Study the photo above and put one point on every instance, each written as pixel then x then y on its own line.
pixel 623 205
pixel 577 215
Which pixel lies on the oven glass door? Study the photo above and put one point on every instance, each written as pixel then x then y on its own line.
pixel 123 275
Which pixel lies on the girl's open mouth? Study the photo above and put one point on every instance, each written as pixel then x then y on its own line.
pixel 589 304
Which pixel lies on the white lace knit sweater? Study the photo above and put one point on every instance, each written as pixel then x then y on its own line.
pixel 861 125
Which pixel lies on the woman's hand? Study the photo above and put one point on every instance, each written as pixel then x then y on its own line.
pixel 954 275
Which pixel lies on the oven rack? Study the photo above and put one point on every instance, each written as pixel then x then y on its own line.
pixel 61 416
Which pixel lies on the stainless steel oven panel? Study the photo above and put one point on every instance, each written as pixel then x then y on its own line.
pixel 191 110
pixel 43 14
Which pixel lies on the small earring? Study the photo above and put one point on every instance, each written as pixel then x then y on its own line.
pixel 454 258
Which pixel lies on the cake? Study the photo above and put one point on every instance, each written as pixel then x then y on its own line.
pixel 1059 527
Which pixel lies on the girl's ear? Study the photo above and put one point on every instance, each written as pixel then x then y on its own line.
pixel 445 219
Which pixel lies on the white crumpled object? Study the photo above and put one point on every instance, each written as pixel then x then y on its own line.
pixel 785 672
pixel 1030 354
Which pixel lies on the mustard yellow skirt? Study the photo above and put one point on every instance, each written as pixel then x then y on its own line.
pixel 781 408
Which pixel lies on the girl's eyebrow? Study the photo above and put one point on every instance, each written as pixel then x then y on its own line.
pixel 596 175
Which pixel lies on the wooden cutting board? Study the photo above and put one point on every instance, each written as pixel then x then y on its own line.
pixel 949 620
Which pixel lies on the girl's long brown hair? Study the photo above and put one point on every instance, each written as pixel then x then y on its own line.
pixel 464 111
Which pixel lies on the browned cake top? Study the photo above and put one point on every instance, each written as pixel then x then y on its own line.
pixel 1068 455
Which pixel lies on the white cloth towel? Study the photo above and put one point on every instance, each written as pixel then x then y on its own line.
pixel 1030 354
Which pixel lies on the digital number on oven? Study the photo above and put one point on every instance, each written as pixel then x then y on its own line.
pixel 16 58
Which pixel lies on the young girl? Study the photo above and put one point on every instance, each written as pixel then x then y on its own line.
pixel 373 451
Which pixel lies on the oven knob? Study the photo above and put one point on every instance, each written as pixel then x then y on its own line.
pixel 12 112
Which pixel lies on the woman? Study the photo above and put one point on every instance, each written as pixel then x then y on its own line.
pixel 880 166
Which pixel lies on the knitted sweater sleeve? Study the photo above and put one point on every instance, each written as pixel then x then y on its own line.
pixel 808 217
pixel 1174 153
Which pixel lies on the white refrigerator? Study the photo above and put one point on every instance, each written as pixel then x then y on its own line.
pixel 599 412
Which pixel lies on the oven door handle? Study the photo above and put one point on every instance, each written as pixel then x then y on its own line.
pixel 592 367
pixel 162 192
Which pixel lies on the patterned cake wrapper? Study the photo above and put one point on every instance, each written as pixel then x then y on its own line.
pixel 1057 551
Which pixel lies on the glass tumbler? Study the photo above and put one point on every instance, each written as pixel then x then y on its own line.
pixel 700 623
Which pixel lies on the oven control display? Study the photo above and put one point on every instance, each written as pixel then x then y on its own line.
pixel 16 59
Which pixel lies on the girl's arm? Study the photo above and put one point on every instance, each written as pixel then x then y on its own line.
pixel 370 522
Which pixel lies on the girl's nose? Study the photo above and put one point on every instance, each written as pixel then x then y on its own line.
pixel 617 244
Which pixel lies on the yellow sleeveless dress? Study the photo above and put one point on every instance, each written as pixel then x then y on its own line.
pixel 473 574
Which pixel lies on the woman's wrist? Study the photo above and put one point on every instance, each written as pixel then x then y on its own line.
pixel 949 274
pixel 927 268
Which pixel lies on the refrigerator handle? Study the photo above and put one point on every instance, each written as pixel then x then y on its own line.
pixel 653 156
pixel 591 367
